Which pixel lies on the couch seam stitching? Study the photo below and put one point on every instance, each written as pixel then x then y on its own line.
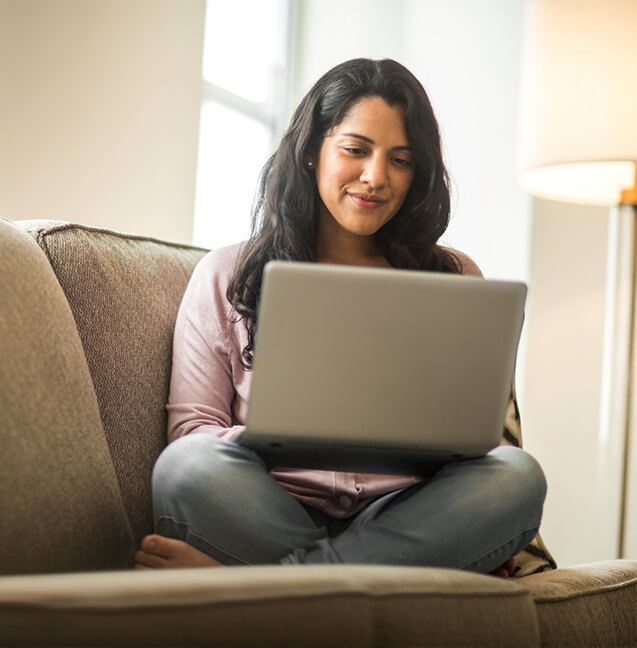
pixel 41 233
pixel 288 598
pixel 618 587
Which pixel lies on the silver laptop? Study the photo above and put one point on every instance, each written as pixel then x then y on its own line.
pixel 380 370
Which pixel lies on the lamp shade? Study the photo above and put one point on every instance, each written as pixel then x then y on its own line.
pixel 577 137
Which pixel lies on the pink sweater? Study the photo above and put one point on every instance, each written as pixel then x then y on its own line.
pixel 209 388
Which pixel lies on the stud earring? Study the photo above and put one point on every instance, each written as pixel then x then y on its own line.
pixel 310 164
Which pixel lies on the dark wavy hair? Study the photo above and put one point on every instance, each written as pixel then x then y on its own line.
pixel 286 207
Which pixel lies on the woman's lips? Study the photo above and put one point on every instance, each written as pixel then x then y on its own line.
pixel 367 201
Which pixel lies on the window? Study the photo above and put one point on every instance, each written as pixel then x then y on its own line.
pixel 246 77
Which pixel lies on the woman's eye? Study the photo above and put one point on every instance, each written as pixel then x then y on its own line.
pixel 354 150
pixel 402 162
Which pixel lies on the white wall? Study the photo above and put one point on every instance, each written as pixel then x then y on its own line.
pixel 564 367
pixel 99 112
pixel 333 31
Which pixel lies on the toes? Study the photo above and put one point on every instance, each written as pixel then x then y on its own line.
pixel 148 560
pixel 510 566
pixel 165 547
pixel 159 552
pixel 149 543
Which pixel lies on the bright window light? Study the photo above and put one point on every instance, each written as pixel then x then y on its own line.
pixel 245 72
pixel 232 150
pixel 242 42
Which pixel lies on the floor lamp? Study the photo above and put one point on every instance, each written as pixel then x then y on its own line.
pixel 578 143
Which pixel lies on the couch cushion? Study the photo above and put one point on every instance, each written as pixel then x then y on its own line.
pixel 587 605
pixel 124 292
pixel 269 606
pixel 60 505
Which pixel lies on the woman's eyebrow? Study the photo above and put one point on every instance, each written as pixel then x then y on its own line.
pixel 371 141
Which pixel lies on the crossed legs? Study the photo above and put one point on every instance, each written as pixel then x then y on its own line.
pixel 215 503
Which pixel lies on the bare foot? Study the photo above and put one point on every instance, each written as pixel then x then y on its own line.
pixel 158 552
pixel 505 570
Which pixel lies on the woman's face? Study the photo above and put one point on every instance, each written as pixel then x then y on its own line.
pixel 364 169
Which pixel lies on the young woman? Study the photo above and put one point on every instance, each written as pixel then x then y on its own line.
pixel 357 179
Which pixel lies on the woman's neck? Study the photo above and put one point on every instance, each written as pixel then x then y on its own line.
pixel 377 260
pixel 336 246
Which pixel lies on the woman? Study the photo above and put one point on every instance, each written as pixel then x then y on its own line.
pixel 357 179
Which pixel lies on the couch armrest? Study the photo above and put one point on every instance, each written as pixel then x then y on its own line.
pixel 267 606
pixel 587 605
pixel 60 504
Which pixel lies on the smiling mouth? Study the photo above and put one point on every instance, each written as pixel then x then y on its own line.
pixel 367 200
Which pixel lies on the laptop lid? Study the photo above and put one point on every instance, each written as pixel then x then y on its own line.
pixel 380 370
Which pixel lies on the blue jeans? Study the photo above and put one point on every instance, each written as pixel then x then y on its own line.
pixel 474 514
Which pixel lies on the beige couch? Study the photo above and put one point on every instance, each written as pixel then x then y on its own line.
pixel 86 320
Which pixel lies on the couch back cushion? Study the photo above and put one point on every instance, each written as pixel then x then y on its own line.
pixel 60 504
pixel 124 292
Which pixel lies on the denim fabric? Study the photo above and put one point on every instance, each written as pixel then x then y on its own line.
pixel 473 514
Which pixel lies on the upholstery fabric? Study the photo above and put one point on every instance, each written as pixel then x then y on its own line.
pixel 286 606
pixel 588 605
pixel 60 505
pixel 124 292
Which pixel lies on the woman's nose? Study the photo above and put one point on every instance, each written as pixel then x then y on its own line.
pixel 375 172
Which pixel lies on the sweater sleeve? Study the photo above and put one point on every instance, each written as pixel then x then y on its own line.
pixel 467 264
pixel 202 388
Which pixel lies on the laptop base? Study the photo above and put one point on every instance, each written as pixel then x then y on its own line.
pixel 343 456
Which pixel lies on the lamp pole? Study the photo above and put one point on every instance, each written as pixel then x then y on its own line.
pixel 578 144
pixel 628 204
pixel 619 387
